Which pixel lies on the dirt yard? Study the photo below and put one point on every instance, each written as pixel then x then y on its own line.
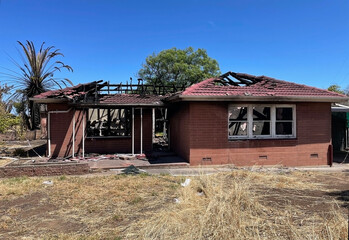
pixel 234 205
pixel 33 149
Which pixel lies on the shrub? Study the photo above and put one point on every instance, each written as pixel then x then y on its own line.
pixel 7 121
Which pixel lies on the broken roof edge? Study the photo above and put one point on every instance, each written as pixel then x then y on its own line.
pixel 181 97
pixel 51 93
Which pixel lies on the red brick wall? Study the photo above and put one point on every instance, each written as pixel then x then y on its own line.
pixel 180 130
pixel 209 138
pixel 62 130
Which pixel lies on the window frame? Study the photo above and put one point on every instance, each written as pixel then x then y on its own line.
pixel 109 121
pixel 273 121
pixel 248 125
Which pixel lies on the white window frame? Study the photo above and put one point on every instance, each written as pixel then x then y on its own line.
pixel 273 134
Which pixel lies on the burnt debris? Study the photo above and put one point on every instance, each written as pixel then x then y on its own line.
pixel 240 79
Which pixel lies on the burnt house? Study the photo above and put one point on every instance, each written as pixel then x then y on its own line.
pixel 236 119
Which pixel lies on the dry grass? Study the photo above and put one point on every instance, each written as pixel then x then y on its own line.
pixel 230 208
pixel 4 161
pixel 236 205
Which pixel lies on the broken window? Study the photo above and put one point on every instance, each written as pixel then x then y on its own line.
pixel 238 121
pixel 261 121
pixel 284 121
pixel 105 122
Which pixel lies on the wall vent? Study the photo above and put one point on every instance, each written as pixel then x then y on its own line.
pixel 314 155
pixel 263 157
pixel 207 159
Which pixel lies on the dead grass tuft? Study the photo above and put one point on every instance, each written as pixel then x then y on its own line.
pixel 226 206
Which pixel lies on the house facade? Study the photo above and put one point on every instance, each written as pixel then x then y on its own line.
pixel 235 119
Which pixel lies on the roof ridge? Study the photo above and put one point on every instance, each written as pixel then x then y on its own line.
pixel 196 85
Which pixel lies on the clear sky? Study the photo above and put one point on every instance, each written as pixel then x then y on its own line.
pixel 303 41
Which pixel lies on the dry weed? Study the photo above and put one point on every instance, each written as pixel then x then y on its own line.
pixel 234 205
pixel 229 208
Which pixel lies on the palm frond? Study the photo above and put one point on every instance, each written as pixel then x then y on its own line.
pixel 35 75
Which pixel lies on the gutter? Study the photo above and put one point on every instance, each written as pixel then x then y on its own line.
pixel 256 98
pixel 160 104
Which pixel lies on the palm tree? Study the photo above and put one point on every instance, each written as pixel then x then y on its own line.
pixel 35 76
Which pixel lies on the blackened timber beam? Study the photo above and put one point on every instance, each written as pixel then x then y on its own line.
pixel 231 81
pixel 244 81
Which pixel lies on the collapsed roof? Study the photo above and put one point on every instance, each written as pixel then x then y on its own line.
pixel 103 93
pixel 230 86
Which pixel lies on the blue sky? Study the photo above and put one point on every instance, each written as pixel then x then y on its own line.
pixel 300 41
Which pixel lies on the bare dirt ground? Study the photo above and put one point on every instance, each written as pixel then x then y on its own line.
pixel 235 205
pixel 23 149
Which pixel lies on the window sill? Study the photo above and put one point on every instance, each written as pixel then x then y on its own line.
pixel 104 137
pixel 263 138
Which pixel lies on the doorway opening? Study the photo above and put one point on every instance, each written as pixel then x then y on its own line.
pixel 160 130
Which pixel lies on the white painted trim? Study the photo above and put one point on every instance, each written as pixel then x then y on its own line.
pixel 83 133
pixel 48 135
pixel 153 127
pixel 133 131
pixel 347 138
pixel 141 130
pixel 73 140
pixel 272 122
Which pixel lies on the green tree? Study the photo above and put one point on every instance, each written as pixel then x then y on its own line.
pixel 7 120
pixel 179 67
pixel 5 106
pixel 35 76
pixel 335 88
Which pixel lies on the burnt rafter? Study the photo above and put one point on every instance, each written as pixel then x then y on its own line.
pixel 239 79
pixel 96 90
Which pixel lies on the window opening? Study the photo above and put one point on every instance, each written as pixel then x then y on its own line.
pixel 238 125
pixel 261 121
pixel 108 122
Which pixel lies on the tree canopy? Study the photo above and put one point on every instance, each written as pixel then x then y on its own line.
pixel 35 76
pixel 336 88
pixel 179 67
pixel 7 120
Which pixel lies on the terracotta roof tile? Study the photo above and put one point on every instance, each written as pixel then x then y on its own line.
pixel 264 88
